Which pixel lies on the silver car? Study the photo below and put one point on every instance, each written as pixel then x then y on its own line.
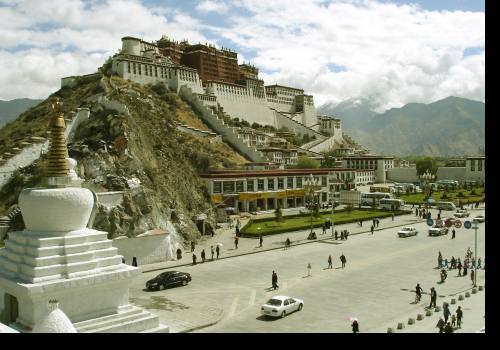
pixel 280 306
pixel 407 231
pixel 438 230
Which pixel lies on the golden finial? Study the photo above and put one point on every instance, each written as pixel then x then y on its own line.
pixel 57 164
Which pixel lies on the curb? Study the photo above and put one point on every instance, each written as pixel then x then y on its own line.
pixel 203 326
pixel 269 249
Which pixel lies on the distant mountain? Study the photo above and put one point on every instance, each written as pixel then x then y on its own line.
pixel 10 110
pixel 453 126
pixel 355 113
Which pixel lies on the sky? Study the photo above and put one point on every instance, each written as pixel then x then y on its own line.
pixel 389 52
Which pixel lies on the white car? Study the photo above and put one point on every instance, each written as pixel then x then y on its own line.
pixel 479 218
pixel 407 231
pixel 280 306
pixel 438 230
pixel 461 213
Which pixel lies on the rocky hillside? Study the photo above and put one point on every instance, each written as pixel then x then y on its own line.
pixel 130 144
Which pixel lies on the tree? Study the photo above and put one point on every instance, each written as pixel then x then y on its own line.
pixel 278 214
pixel 425 164
pixel 316 207
pixel 305 162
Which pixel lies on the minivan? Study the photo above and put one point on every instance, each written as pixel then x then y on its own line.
pixel 445 206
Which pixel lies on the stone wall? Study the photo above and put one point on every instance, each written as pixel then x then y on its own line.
pixel 402 175
pixel 283 121
pixel 451 173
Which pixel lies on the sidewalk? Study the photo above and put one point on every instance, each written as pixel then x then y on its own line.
pixel 226 235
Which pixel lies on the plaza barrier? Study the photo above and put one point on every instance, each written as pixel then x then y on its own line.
pixel 428 313
pixel 480 288
pixel 461 297
pixel 401 325
pixel 453 301
pixel 411 321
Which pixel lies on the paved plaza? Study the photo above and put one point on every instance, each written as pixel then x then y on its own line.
pixel 376 286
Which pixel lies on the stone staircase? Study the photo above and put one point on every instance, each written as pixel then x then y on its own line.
pixel 217 124
pixel 129 319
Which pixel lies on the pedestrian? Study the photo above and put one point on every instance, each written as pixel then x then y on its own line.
pixel 287 242
pixel 418 293
pixel 324 228
pixel 203 255
pixel 212 252
pixel 479 263
pixel 179 253
pixel 237 231
pixel 192 246
pixel 330 266
pixel 446 312
pixel 260 240
pixel 217 250
pixel 392 216
pixel 460 314
pixel 465 269
pixel 343 260
pixel 346 234
pixel 440 325
pixel 361 223
pixel 309 267
pixel 448 328
pixel 236 242
pixel 123 260
pixel 433 298
pixel 416 212
pixel 459 266
pixel 440 259
pixel 274 279
pixel 342 235
pixel 378 222
pixel 371 229
pixel 445 263
pixel 134 261
pixel 453 234
pixel 336 234
pixel 355 326
pixel 453 263
pixel 472 276
pixel 453 320
pixel 194 259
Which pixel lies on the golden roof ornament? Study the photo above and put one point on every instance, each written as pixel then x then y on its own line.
pixel 57 164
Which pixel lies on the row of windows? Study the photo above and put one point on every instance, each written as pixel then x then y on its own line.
pixel 479 165
pixel 259 184
pixel 163 72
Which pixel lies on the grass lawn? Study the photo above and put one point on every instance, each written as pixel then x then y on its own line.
pixel 418 198
pixel 303 222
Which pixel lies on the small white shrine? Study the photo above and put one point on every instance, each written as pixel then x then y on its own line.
pixel 58 261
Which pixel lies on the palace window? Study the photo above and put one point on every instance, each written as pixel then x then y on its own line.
pixel 140 68
pixel 228 186
pixel 472 165
pixel 298 182
pixel 260 185
pixel 289 182
pixel 479 165
pixel 133 68
pixel 128 67
pixel 217 187
pixel 323 181
pixel 250 184
pixel 270 184
pixel 239 186
pixel 280 183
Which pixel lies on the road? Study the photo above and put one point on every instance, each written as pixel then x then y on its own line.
pixel 376 285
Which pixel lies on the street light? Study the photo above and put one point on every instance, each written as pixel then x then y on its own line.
pixel 310 185
pixel 475 251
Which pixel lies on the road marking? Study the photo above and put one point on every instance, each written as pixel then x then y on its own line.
pixel 232 310
pixel 251 302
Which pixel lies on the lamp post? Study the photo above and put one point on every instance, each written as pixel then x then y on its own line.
pixel 310 185
pixel 427 177
pixel 475 251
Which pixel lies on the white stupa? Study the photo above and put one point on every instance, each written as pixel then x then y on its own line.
pixel 58 257
pixel 55 321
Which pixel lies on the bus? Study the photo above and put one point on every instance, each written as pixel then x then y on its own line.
pixel 367 198
pixel 445 206
pixel 391 204
pixel 380 189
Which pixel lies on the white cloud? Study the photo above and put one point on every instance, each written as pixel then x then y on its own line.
pixel 212 6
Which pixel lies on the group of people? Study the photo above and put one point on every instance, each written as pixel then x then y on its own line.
pixel 469 262
pixel 446 326
pixel 343 235
pixel 343 260
pixel 422 213
pixel 213 251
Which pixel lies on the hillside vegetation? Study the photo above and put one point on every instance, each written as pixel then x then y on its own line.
pixel 141 153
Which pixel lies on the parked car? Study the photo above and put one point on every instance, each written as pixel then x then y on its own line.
pixel 407 231
pixel 168 279
pixel 479 218
pixel 280 306
pixel 438 230
pixel 461 213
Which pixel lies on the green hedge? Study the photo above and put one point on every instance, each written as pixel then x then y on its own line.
pixel 306 226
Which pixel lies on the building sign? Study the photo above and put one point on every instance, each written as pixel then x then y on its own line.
pixel 295 193
pixel 216 198
pixel 254 196
pixel 350 197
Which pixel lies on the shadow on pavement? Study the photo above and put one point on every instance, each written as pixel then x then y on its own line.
pixel 266 318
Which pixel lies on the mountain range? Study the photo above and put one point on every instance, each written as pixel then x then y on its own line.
pixel 10 110
pixel 453 126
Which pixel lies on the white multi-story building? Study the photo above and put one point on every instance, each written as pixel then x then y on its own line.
pixel 380 164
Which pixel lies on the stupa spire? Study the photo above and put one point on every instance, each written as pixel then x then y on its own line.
pixel 57 165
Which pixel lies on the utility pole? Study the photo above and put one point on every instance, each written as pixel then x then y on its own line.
pixel 475 252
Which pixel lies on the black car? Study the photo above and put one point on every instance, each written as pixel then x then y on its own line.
pixel 168 279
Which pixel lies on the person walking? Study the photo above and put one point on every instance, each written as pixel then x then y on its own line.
pixel 274 280
pixel 472 276
pixel 134 261
pixel 287 243
pixel 260 240
pixel 440 259
pixel 459 266
pixel 194 259
pixel 453 320
pixel 433 298
pixel 446 312
pixel 478 263
pixel 460 314
pixel 453 234
pixel 309 267
pixel 343 260
pixel 336 235
pixel 212 252
pixel 330 266
pixel 378 222
pixel 440 325
pixel 203 256
pixel 237 231
pixel 418 293
pixel 236 242
pixel 416 212
pixel 445 263
pixel 361 223
pixel 371 229
pixel 192 246
pixel 465 268
pixel 217 250
pixel 355 326
pixel 392 215
pixel 324 228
